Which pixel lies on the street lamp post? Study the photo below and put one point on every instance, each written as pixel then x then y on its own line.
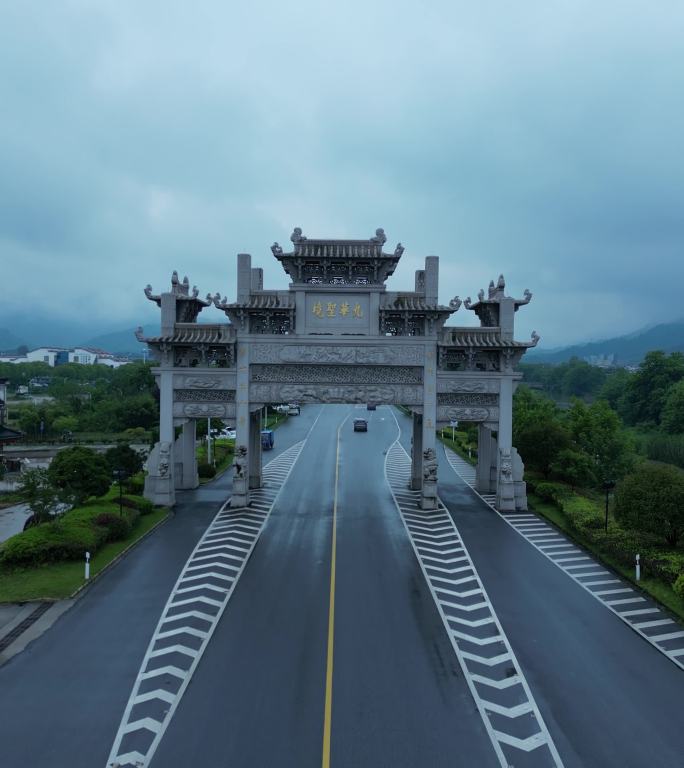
pixel 608 486
pixel 120 475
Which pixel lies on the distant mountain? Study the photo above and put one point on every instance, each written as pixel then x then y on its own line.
pixel 627 350
pixel 119 342
pixel 9 341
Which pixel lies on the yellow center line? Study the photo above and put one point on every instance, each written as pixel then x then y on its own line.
pixel 327 717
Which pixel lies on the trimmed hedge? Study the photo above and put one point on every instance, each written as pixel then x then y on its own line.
pixel 206 470
pixel 70 536
pixel 117 526
pixel 678 586
pixel 50 542
pixel 587 519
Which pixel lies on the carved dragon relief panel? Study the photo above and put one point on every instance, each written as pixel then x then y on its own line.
pixel 199 411
pixel 448 413
pixel 204 395
pixel 336 374
pixel 453 384
pixel 360 355
pixel 202 382
pixel 467 399
pixel 323 393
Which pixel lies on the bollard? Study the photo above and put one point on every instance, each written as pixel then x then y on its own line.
pixel 638 568
pixel 87 566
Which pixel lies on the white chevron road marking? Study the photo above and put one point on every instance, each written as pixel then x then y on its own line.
pixel 526 745
pixel 160 693
pixel 134 759
pixel 449 600
pixel 528 526
pixel 240 538
pixel 507 682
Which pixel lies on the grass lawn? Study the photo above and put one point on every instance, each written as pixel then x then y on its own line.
pixel 59 580
pixel 659 590
pixel 458 445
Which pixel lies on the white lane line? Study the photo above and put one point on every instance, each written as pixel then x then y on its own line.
pixel 523 522
pixel 134 754
pixel 473 661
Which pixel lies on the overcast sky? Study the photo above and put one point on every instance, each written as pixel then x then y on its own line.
pixel 538 139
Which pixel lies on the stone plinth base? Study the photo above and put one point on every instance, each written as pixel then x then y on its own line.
pixel 505 498
pixel 240 497
pixel 428 499
pixel 160 491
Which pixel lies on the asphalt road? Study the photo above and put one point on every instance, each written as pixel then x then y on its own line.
pixel 608 697
pixel 398 698
pixel 257 698
pixel 61 700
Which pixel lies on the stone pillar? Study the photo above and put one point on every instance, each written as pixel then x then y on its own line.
pixel 484 459
pixel 186 457
pixel 240 497
pixel 255 450
pixel 428 498
pixel 431 279
pixel 159 483
pixel 244 277
pixel 505 491
pixel 416 481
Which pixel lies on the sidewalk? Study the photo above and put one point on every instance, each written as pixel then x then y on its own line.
pixel 22 623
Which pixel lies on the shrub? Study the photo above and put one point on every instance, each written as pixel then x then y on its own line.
pixel 678 586
pixel 206 470
pixel 145 506
pixel 117 526
pixel 553 492
pixel 51 542
pixel 582 513
pixel 135 485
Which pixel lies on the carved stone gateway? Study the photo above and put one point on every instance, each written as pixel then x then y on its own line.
pixel 337 335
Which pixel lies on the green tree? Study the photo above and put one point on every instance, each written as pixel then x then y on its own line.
pixel 614 389
pixel 41 495
pixel 574 468
pixel 597 432
pixel 65 424
pixel 540 443
pixel 124 457
pixel 581 379
pixel 672 415
pixel 648 388
pixel 29 420
pixel 652 499
pixel 80 473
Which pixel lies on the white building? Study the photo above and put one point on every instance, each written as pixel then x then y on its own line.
pixel 59 355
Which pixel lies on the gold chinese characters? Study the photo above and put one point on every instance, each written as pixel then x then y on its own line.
pixel 332 309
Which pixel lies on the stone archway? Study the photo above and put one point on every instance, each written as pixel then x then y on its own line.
pixel 337 335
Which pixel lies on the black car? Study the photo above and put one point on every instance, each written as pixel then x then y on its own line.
pixel 371 407
pixel 360 425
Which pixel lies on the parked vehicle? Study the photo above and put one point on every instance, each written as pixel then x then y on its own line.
pixel 227 432
pixel 293 409
pixel 360 425
pixel 370 406
pixel 267 439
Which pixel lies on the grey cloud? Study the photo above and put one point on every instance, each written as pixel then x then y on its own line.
pixel 538 140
